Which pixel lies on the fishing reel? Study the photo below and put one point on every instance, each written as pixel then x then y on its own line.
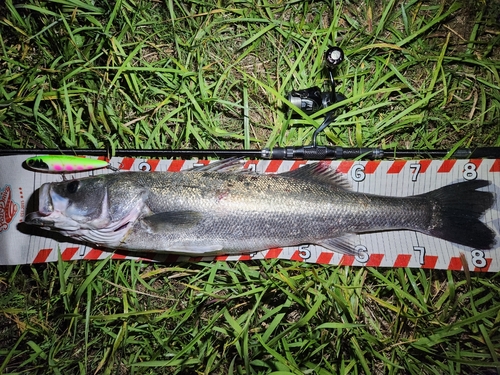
pixel 312 100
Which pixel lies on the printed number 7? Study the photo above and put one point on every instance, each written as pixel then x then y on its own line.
pixel 416 170
pixel 421 253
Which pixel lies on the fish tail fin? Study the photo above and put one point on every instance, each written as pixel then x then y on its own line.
pixel 457 209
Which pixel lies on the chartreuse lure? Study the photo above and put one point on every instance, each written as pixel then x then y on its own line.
pixel 65 163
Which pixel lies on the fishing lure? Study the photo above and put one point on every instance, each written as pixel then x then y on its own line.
pixel 65 164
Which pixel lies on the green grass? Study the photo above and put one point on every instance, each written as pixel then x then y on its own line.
pixel 140 74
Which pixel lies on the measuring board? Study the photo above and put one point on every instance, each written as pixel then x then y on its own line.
pixel 18 244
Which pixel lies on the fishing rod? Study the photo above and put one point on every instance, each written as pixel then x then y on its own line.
pixel 277 153
pixel 310 101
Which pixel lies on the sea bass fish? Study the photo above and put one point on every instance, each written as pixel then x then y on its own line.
pixel 216 211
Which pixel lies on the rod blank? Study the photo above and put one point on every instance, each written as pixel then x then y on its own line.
pixel 278 153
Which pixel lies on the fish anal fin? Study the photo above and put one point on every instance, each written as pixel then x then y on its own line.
pixel 171 220
pixel 343 244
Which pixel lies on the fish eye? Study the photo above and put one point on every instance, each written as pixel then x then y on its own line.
pixel 72 187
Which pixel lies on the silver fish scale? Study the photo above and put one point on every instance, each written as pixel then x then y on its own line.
pixel 242 213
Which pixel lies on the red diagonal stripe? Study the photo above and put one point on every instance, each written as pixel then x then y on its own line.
pixel 93 254
pixel 273 253
pixel 175 165
pixel 424 164
pixel 68 253
pixel 476 162
pixel 42 256
pixel 126 164
pixel 297 164
pixel 455 264
pixel 375 260
pixel 347 260
pixel 153 164
pixel 430 261
pixel 325 258
pixel 296 256
pixel 402 260
pixel 396 166
pixel 345 166
pixel 446 166
pixel 496 166
pixel 371 166
pixel 273 166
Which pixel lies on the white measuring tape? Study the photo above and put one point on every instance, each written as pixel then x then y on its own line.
pixel 382 249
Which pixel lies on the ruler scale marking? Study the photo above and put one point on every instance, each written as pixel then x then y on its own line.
pixel 386 249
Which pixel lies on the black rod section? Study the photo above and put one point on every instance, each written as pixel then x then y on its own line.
pixel 278 153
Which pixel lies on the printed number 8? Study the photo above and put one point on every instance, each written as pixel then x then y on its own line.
pixel 478 259
pixel 470 172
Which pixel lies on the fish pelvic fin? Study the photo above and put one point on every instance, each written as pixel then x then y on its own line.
pixel 457 209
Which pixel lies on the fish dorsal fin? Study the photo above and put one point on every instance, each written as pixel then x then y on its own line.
pixel 230 165
pixel 167 221
pixel 319 173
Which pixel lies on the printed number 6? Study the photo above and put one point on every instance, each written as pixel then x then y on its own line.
pixel 362 256
pixel 470 172
pixel 478 259
pixel 358 172
pixel 144 166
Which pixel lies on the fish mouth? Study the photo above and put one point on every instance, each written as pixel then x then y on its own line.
pixel 50 212
pixel 54 220
pixel 47 201
pixel 39 219
pixel 45 209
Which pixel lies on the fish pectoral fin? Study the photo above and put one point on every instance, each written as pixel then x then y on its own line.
pixel 171 220
pixel 344 245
